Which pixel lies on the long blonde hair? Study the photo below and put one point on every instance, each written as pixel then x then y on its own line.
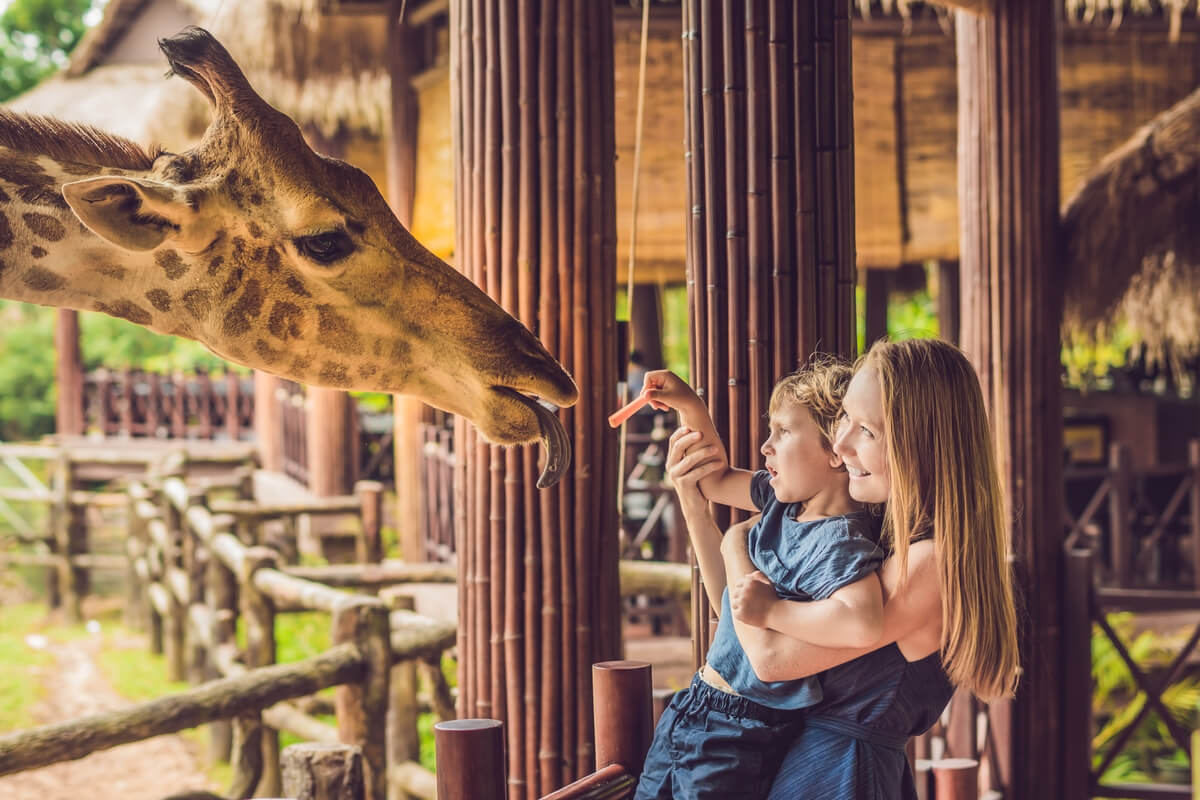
pixel 944 479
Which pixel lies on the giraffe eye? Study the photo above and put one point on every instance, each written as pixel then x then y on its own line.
pixel 326 248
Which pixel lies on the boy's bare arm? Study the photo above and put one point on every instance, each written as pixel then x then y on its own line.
pixel 850 617
pixel 727 486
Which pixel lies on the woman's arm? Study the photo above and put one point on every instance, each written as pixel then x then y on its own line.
pixel 908 606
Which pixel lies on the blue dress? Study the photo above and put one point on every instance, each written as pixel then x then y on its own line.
pixel 851 745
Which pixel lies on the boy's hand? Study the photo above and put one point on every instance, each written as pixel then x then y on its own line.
pixel 666 390
pixel 751 599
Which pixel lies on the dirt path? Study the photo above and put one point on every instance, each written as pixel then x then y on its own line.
pixel 148 770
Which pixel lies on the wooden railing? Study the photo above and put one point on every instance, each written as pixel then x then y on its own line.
pixel 179 406
pixel 370 437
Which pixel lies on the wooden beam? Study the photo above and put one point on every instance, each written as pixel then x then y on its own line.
pixel 69 374
pixel 1011 310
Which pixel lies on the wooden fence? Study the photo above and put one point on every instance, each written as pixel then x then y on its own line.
pixel 179 406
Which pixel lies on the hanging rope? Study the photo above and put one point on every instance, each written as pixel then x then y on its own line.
pixel 633 216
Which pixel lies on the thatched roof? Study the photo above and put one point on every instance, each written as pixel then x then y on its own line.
pixel 1131 239
pixel 326 71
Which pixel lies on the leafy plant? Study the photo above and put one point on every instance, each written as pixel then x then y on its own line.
pixel 36 36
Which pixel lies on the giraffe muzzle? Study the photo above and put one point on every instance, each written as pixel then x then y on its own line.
pixel 553 435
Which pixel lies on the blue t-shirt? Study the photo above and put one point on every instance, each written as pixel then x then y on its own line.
pixel 806 561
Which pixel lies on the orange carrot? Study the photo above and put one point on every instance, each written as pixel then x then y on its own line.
pixel 628 411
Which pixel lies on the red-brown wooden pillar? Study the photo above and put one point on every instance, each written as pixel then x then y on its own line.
pixel 532 111
pixel 1011 312
pixel 770 259
pixel 407 438
pixel 68 374
pixel 268 421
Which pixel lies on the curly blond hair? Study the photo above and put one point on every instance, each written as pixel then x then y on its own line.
pixel 818 388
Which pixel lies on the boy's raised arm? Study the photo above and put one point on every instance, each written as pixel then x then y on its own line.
pixel 728 486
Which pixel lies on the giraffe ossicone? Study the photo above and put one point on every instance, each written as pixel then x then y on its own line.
pixel 270 254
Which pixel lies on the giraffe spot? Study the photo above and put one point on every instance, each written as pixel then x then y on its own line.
pixel 334 374
pixel 192 198
pixel 377 348
pixel 42 196
pixel 239 251
pixel 197 302
pixel 43 280
pixel 367 370
pixel 171 263
pixel 401 351
pixel 214 266
pixel 256 199
pixel 255 231
pixel 76 168
pixel 297 286
pixel 3 267
pixel 112 271
pixel 268 354
pixel 159 299
pixel 284 322
pixel 335 331
pixel 6 234
pixel 274 260
pixel 300 364
pixel 37 252
pixel 44 225
pixel 233 185
pixel 233 282
pixel 22 170
pixel 126 310
pixel 4 198
pixel 248 306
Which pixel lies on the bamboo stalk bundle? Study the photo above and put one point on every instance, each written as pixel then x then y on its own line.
pixel 769 153
pixel 536 207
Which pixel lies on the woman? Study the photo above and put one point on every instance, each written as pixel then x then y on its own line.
pixel 913 434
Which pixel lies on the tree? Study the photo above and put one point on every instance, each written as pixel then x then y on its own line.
pixel 36 36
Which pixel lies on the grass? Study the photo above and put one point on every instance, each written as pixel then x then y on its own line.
pixel 20 689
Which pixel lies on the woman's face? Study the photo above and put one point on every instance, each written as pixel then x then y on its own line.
pixel 860 440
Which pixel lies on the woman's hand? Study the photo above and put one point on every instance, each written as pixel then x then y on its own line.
pixel 751 598
pixel 689 460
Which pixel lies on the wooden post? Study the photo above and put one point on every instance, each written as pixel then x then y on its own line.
pixel 875 292
pixel 221 597
pixel 948 300
pixel 403 740
pixel 623 696
pixel 407 446
pixel 233 402
pixel 362 709
pixel 956 779
pixel 470 757
pixel 328 434
pixel 1077 684
pixel 65 539
pixel 323 772
pixel 369 547
pixel 1194 463
pixel 532 116
pixel 259 612
pixel 1196 765
pixel 1120 536
pixel 68 374
pixel 1011 307
pixel 268 422
pixel 645 325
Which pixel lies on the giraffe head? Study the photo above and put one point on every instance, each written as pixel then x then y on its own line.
pixel 291 262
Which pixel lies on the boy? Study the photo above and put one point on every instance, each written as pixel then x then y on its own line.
pixel 724 735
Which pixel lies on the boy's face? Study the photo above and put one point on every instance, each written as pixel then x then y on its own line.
pixel 799 464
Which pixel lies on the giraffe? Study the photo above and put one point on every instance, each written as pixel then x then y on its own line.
pixel 271 255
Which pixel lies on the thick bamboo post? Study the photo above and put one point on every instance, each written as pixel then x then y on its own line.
pixel 323 772
pixel 68 374
pixel 470 757
pixel 362 708
pixel 259 613
pixel 876 288
pixel 1011 315
pixel 268 422
pixel 1194 463
pixel 770 257
pixel 1077 695
pixel 532 113
pixel 623 699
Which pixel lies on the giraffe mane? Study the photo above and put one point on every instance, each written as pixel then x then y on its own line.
pixel 69 141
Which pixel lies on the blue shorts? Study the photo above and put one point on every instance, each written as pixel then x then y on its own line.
pixel 711 744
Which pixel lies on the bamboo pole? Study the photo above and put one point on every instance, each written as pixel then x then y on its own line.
pixel 470 759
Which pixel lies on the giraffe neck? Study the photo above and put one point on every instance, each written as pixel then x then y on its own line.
pixel 48 257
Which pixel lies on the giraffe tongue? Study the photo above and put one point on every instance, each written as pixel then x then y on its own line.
pixel 554 437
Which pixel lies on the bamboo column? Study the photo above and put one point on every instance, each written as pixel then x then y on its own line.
pixel 531 101
pixel 268 421
pixel 68 374
pixel 1011 312
pixel 770 256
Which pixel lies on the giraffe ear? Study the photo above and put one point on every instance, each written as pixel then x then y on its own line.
pixel 132 213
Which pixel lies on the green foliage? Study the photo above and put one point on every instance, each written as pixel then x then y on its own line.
pixel 27 391
pixel 1150 753
pixel 20 689
pixel 1087 364
pixel 35 38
